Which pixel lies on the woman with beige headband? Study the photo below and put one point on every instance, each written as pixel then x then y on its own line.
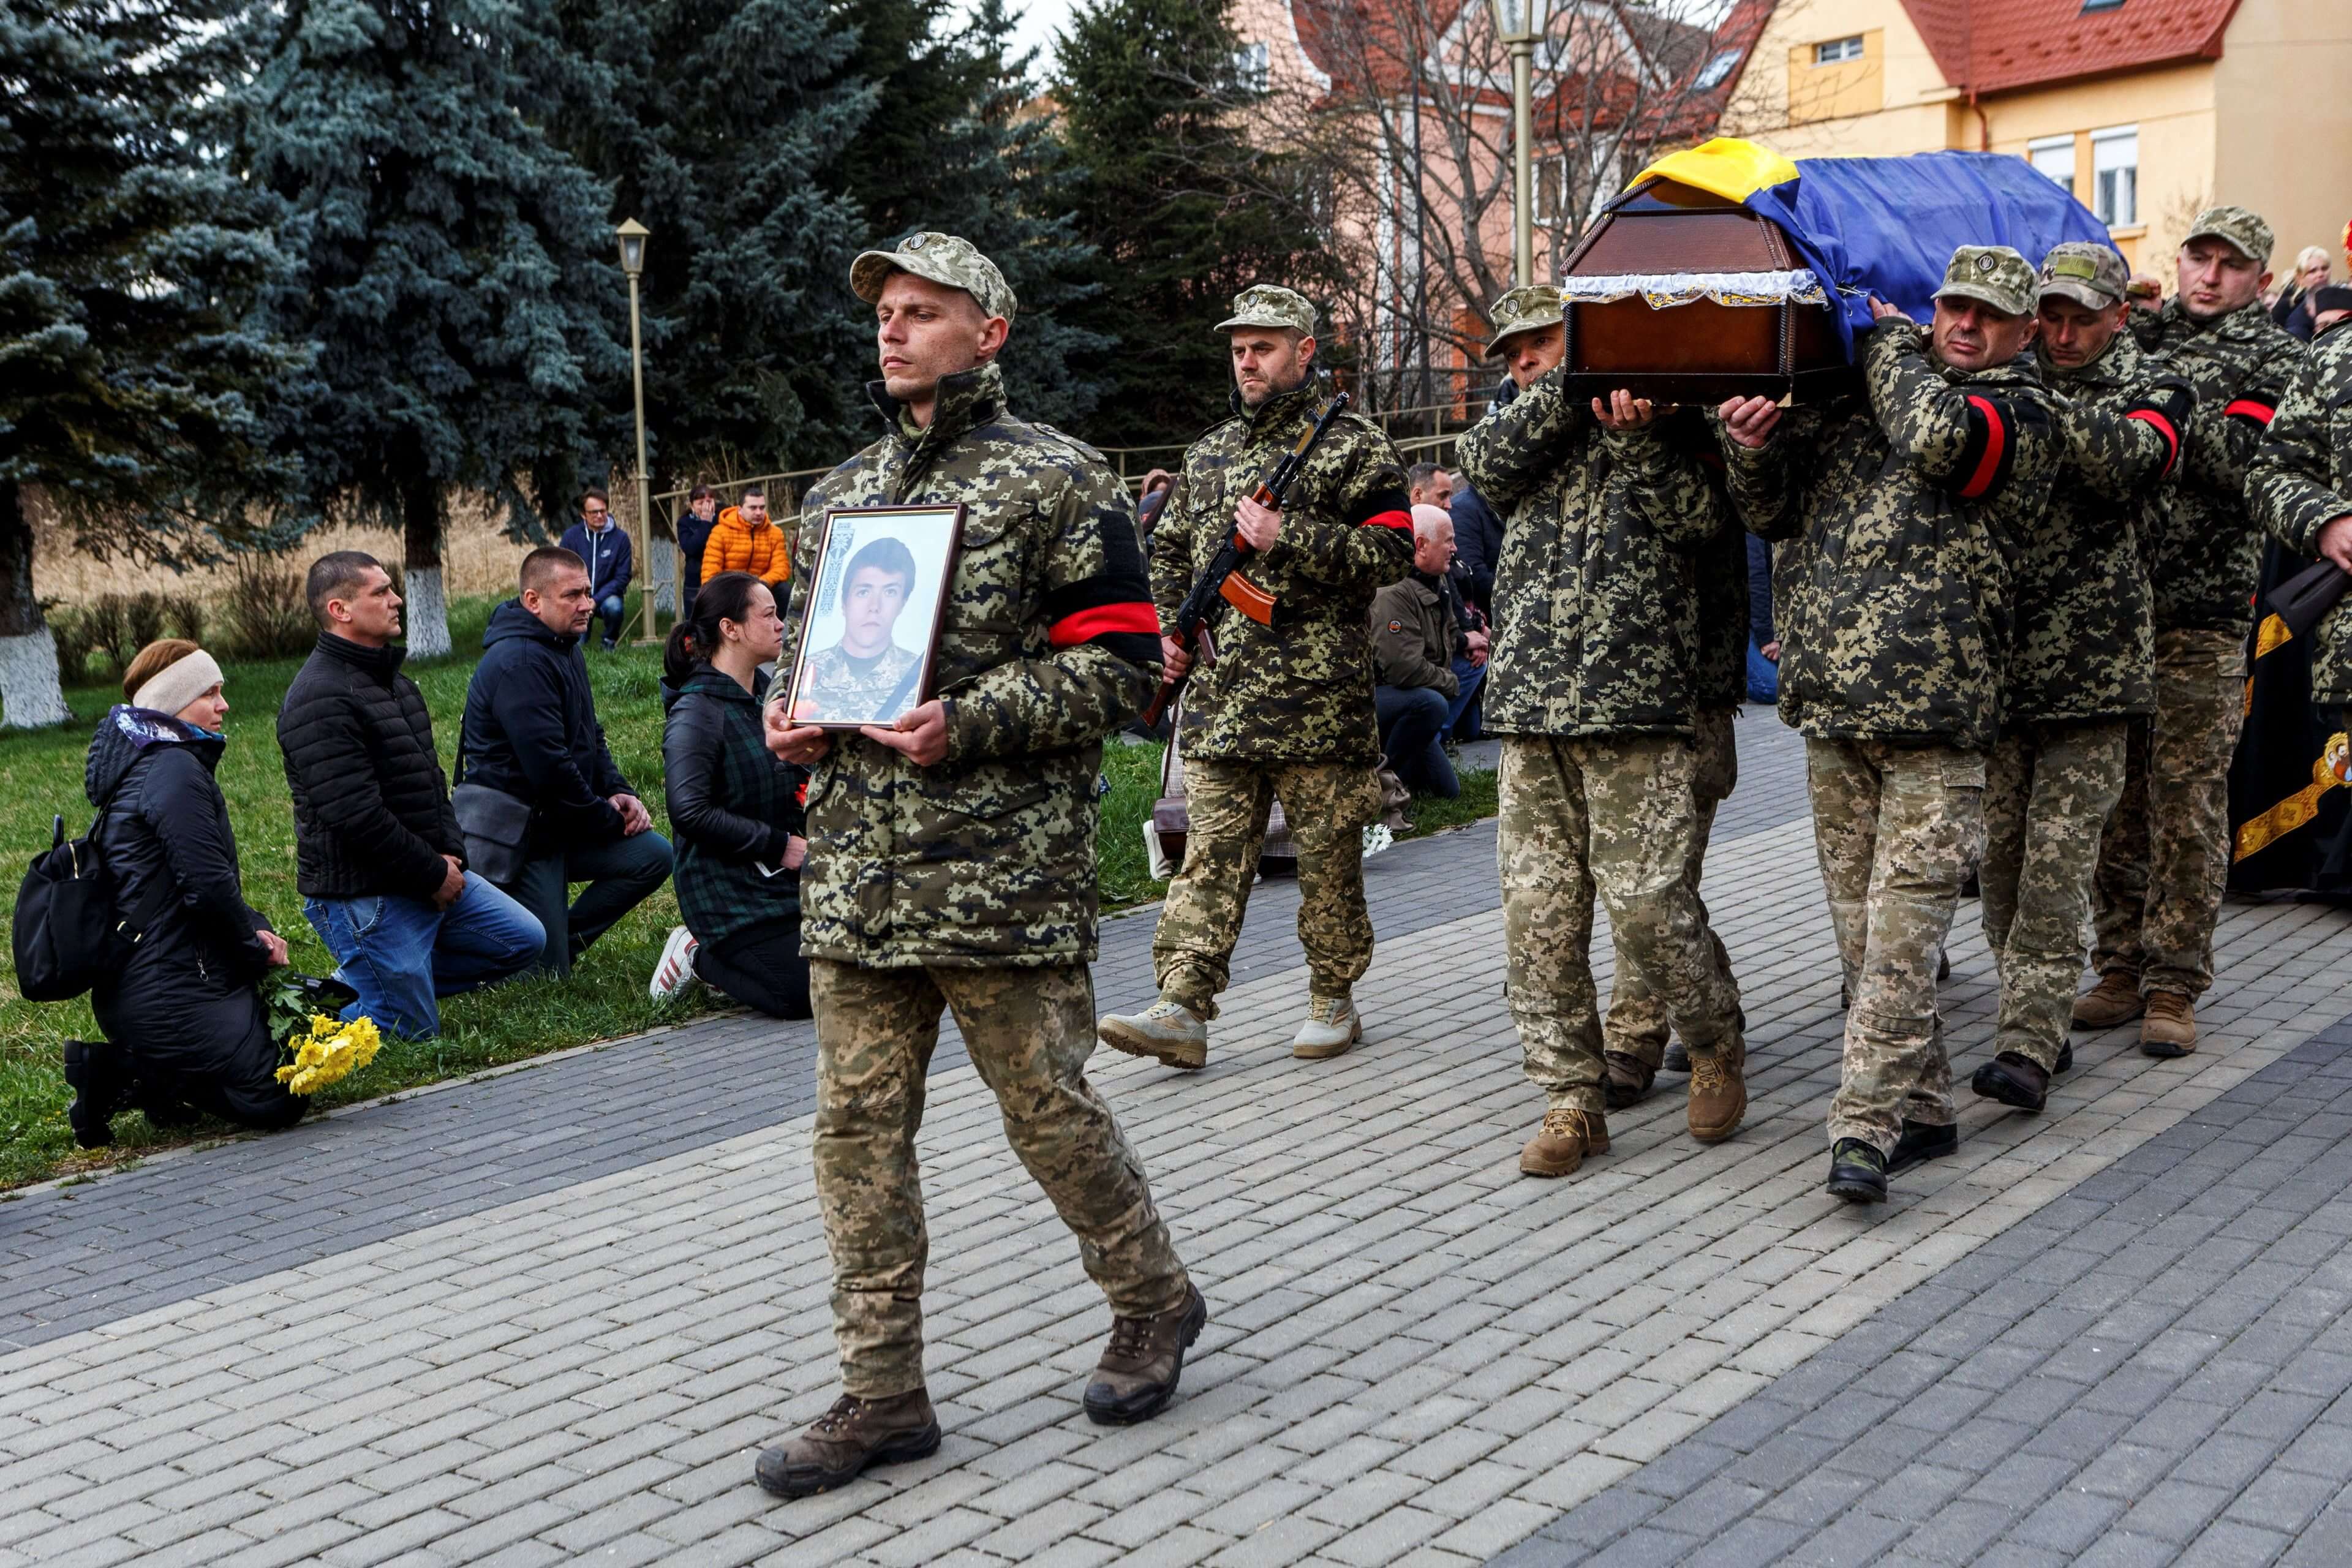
pixel 186 1027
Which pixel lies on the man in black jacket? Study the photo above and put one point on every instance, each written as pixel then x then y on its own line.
pixel 379 860
pixel 530 733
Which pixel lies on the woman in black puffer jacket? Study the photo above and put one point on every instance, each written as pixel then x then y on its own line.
pixel 734 810
pixel 185 1026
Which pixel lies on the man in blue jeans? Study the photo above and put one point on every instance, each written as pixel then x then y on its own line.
pixel 530 733
pixel 379 859
pixel 603 545
pixel 1428 667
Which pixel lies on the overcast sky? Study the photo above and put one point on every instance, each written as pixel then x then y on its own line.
pixel 1040 20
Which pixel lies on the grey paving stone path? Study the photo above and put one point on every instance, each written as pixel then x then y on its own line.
pixel 551 1318
pixel 2155 1368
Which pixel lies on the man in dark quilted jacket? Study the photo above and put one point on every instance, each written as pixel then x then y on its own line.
pixel 379 860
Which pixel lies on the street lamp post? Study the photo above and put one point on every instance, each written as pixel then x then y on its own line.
pixel 633 235
pixel 1519 24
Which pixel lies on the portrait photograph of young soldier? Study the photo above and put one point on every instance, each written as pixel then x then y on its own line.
pixel 866 651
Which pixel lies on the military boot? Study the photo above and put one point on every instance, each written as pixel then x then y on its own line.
pixel 2170 1028
pixel 2012 1080
pixel 1628 1081
pixel 853 1434
pixel 1333 1026
pixel 2113 1000
pixel 1922 1141
pixel 1137 1375
pixel 1718 1089
pixel 1166 1031
pixel 1560 1145
pixel 1857 1172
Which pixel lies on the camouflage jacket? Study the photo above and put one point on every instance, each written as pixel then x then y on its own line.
pixel 2084 645
pixel 1300 689
pixel 1596 595
pixel 2302 480
pixel 2205 554
pixel 1046 644
pixel 1720 565
pixel 1905 505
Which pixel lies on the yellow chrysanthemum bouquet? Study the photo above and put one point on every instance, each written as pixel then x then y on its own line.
pixel 321 1048
pixel 329 1053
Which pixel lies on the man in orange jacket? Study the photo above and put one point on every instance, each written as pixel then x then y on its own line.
pixel 745 541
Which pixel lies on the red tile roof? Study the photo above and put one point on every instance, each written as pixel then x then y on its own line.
pixel 1998 46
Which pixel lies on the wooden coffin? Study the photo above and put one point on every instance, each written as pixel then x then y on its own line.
pixel 1702 351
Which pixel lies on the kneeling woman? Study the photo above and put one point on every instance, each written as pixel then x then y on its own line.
pixel 185 1025
pixel 734 810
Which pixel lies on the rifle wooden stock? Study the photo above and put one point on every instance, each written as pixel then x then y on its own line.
pixel 1248 598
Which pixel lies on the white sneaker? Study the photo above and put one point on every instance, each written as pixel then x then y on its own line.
pixel 675 974
pixel 1333 1026
pixel 1166 1031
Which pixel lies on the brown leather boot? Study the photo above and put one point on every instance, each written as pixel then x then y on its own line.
pixel 853 1434
pixel 1137 1375
pixel 2170 1028
pixel 1718 1089
pixel 1560 1145
pixel 2113 1000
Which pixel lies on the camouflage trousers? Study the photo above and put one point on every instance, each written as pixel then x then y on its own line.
pixel 1327 807
pixel 1897 829
pixel 1028 1033
pixel 2166 857
pixel 1635 1025
pixel 1615 814
pixel 2048 791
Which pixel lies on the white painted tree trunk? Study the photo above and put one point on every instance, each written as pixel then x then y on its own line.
pixel 30 697
pixel 426 613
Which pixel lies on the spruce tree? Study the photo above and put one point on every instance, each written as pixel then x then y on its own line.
pixel 129 265
pixel 458 273
pixel 711 121
pixel 1182 209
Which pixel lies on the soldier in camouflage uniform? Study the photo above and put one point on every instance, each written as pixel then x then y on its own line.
pixel 1594 683
pixel 1633 1032
pixel 2079 669
pixel 2166 856
pixel 2300 491
pixel 951 863
pixel 1285 711
pixel 1911 501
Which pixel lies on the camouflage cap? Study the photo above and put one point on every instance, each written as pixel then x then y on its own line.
pixel 1994 274
pixel 2092 276
pixel 1271 305
pixel 2242 228
pixel 1524 308
pixel 943 258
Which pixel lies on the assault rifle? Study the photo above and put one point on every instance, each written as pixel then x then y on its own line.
pixel 1223 578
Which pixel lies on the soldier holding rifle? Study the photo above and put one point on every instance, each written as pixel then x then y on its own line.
pixel 1284 711
pixel 1595 686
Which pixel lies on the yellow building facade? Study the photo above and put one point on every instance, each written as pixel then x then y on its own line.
pixel 2258 113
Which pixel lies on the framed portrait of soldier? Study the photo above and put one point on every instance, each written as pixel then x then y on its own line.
pixel 870 629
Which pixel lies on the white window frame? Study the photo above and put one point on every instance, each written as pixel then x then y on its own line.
pixel 2041 145
pixel 2116 204
pixel 1847 48
pixel 1252 63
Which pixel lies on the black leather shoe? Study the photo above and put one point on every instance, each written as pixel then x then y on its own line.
pixel 1857 1172
pixel 1676 1059
pixel 2012 1080
pixel 2065 1059
pixel 1628 1079
pixel 1922 1141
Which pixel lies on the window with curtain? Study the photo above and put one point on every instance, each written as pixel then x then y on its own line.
pixel 2115 175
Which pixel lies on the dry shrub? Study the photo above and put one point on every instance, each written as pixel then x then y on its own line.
pixel 265 615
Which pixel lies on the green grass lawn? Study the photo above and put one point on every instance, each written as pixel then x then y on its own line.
pixel 40 776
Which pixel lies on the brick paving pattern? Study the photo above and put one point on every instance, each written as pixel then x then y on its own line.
pixel 551 1317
